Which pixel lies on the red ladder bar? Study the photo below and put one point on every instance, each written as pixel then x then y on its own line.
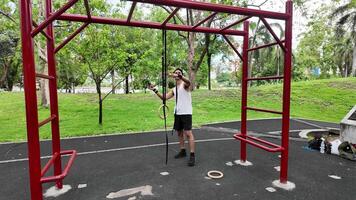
pixel 61 176
pixel 44 76
pixel 264 110
pixel 251 140
pixel 49 119
pixel 265 78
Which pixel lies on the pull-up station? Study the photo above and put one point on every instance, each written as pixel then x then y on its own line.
pixel 30 28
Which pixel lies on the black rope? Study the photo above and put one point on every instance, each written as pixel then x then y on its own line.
pixel 164 84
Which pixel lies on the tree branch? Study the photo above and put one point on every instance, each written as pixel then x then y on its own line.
pixel 8 16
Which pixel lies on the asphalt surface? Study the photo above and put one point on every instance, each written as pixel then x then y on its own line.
pixel 118 162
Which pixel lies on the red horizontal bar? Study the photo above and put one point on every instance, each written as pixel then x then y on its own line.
pixel 217 8
pixel 48 165
pixel 42 31
pixel 251 140
pixel 266 45
pixel 44 76
pixel 265 78
pixel 264 110
pixel 46 120
pixel 69 38
pixel 66 169
pixel 204 20
pixel 53 17
pixel 154 25
pixel 237 22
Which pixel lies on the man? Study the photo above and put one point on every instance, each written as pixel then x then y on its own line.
pixel 182 113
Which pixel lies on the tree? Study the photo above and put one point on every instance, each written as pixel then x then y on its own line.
pixel 9 42
pixel 98 50
pixel 345 27
pixel 321 49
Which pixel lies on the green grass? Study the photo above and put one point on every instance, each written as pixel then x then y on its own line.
pixel 326 100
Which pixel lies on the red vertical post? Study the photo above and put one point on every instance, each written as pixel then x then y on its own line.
pixel 244 90
pixel 286 92
pixel 51 61
pixel 29 73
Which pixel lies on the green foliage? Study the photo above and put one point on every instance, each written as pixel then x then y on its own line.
pixel 326 100
pixel 9 45
pixel 325 48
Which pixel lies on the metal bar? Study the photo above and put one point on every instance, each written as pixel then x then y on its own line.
pixel 70 37
pixel 266 45
pixel 244 88
pixel 265 78
pixel 46 120
pixel 217 8
pixel 49 164
pixel 286 93
pixel 273 34
pixel 170 17
pixel 237 22
pixel 61 176
pixel 154 25
pixel 44 76
pixel 53 17
pixel 212 15
pixel 250 139
pixel 131 11
pixel 43 33
pixel 28 62
pixel 87 8
pixel 233 47
pixel 264 110
pixel 51 62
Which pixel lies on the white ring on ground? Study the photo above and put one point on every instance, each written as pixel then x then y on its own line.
pixel 210 174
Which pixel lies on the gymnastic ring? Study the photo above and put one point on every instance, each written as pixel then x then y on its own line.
pixel 214 174
pixel 161 108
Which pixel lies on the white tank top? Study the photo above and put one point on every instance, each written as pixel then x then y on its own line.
pixel 184 102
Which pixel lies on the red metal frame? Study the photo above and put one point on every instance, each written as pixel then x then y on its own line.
pixel 212 15
pixel 46 28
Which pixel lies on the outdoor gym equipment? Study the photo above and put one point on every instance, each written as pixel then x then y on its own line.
pixel 29 29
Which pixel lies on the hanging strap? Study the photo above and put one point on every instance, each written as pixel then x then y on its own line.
pixel 164 84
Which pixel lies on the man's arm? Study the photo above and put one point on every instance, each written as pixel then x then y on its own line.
pixel 186 81
pixel 168 95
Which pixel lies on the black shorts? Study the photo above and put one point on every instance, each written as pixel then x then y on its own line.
pixel 182 122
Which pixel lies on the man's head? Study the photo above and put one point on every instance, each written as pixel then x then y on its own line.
pixel 178 71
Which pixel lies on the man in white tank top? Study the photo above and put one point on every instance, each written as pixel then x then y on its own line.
pixel 182 113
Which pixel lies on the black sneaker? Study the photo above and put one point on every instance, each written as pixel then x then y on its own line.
pixel 191 161
pixel 181 154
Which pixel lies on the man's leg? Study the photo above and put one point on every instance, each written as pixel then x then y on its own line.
pixel 182 153
pixel 181 139
pixel 191 142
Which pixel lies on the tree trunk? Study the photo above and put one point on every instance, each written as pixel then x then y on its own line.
pixel 113 81
pixel 42 52
pixel 44 89
pixel 353 71
pixel 127 84
pixel 98 90
pixel 191 53
pixel 207 43
pixel 3 77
